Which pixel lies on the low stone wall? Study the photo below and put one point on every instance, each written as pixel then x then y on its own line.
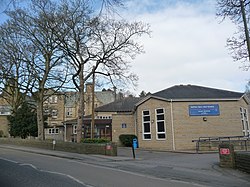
pixel 242 161
pixel 82 148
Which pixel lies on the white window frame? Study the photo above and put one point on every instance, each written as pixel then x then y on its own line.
pixel 53 130
pixel 53 99
pixel 74 129
pixel 69 111
pixel 160 121
pixel 244 121
pixel 5 110
pixel 143 123
pixel 54 113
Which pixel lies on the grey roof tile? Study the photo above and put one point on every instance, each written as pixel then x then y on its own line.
pixel 196 92
pixel 122 105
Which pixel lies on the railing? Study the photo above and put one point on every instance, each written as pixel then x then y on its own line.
pixel 211 143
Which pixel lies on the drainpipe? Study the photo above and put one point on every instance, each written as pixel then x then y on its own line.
pixel 135 121
pixel 172 124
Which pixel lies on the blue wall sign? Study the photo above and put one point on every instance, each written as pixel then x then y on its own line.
pixel 204 110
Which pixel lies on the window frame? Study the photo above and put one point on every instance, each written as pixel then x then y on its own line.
pixel 143 125
pixel 53 130
pixel 245 121
pixel 69 111
pixel 160 121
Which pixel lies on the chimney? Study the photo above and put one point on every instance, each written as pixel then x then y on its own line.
pixel 89 86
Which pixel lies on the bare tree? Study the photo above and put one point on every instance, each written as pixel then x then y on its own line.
pixel 99 45
pixel 36 28
pixel 239 12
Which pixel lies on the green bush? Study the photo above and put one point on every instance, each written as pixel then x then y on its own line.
pixel 95 140
pixel 1 133
pixel 127 139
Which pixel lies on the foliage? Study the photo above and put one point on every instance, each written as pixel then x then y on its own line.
pixel 23 123
pixel 127 139
pixel 1 133
pixel 95 140
pixel 238 11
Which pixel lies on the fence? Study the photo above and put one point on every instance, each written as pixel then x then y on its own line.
pixel 212 143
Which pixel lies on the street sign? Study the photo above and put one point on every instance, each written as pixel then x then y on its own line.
pixel 204 110
pixel 224 151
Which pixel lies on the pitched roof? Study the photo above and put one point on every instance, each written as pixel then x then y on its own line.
pixel 196 92
pixel 122 105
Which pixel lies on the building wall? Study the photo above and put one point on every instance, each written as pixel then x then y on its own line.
pixel 151 105
pixel 4 126
pixel 122 124
pixel 187 128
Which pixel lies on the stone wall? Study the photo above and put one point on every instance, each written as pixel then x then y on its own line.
pixel 82 148
pixel 181 128
pixel 242 161
pixel 122 124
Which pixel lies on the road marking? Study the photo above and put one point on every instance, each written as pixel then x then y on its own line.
pixel 69 176
pixel 46 171
pixel 8 160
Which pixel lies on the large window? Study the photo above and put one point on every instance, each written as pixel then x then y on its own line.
pixel 146 125
pixel 160 124
pixel 244 121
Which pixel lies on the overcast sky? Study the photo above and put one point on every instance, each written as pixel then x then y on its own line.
pixel 187 46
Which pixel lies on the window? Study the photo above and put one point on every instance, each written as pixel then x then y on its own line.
pixel 69 112
pixel 5 110
pixel 244 121
pixel 146 128
pixel 160 124
pixel 53 99
pixel 54 113
pixel 53 131
pixel 74 129
pixel 124 125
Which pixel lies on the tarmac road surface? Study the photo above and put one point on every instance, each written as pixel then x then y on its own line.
pixel 150 168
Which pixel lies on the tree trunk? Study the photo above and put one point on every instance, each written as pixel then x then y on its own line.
pixel 245 27
pixel 81 107
pixel 40 120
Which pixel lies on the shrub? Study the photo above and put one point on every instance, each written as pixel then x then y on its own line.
pixel 95 140
pixel 1 134
pixel 127 139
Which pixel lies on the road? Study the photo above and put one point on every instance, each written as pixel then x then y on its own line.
pixel 148 169
pixel 28 169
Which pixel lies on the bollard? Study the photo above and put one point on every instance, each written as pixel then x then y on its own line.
pixel 54 144
pixel 227 158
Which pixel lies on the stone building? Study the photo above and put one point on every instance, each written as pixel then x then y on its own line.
pixel 5 110
pixel 62 110
pixel 170 119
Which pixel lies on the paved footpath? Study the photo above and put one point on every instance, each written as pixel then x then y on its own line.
pixel 201 169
